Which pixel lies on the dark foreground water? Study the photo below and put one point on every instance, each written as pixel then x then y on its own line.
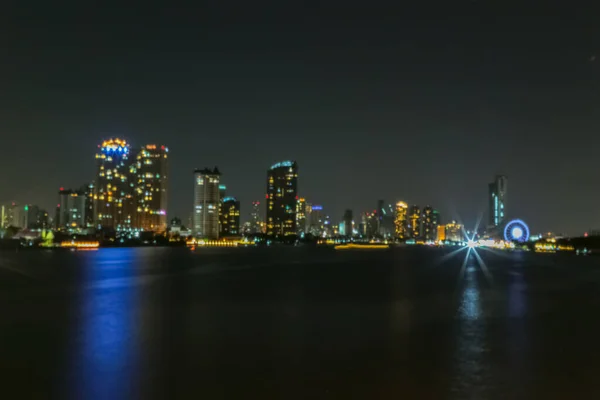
pixel 298 323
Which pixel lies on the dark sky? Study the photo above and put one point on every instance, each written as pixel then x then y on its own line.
pixel 374 100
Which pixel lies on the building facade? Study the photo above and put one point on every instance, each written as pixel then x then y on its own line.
pixel 348 224
pixel 454 232
pixel 114 203
pixel 230 217
pixel 414 222
pixel 441 233
pixel 316 219
pixel 71 210
pixel 301 216
pixel 429 222
pixel 151 179
pixel 282 191
pixel 256 222
pixel 205 217
pixel 497 201
pixel 401 223
pixel 371 223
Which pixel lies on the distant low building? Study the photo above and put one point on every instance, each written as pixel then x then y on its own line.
pixel 454 232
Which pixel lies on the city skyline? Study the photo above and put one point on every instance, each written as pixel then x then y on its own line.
pixel 345 91
pixel 245 213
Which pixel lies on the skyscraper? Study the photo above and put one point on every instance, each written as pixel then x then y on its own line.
pixel 256 223
pixel 71 210
pixel 436 221
pixel 380 214
pixel 25 217
pixel 371 224
pixel 151 187
pixel 414 227
pixel 282 190
pixel 400 222
pixel 497 201
pixel 230 217
pixel 89 204
pixel 301 216
pixel 222 191
pixel 429 227
pixel 205 219
pixel 222 195
pixel 114 206
pixel 316 220
pixel 347 223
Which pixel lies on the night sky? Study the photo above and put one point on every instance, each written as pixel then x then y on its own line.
pixel 423 104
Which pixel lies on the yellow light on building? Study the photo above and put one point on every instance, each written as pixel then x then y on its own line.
pixel 400 221
pixel 441 233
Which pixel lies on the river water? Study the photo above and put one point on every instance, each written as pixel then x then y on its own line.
pixel 298 323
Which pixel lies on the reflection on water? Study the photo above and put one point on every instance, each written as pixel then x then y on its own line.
pixel 470 367
pixel 105 357
pixel 516 296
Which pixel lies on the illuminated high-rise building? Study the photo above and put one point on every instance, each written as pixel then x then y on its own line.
pixel 282 191
pixel 114 205
pixel 230 217
pixel 89 204
pixel 414 222
pixel 441 233
pixel 348 224
pixel 4 216
pixel 380 212
pixel 400 222
pixel 25 216
pixel 7 214
pixel 151 170
pixel 301 216
pixel 256 223
pixel 71 211
pixel 205 218
pixel 371 223
pixel 428 225
pixel 222 195
pixel 497 201
pixel 316 219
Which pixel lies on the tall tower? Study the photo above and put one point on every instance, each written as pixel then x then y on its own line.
pixel 400 222
pixel 256 224
pixel 414 226
pixel 301 216
pixel 113 197
pixel 348 217
pixel 497 200
pixel 429 228
pixel 230 217
pixel 151 188
pixel 72 206
pixel 205 219
pixel 282 190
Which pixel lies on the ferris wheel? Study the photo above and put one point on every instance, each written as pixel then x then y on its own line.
pixel 516 230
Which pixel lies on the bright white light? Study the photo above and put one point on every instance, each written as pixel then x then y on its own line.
pixel 471 244
pixel 517 232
